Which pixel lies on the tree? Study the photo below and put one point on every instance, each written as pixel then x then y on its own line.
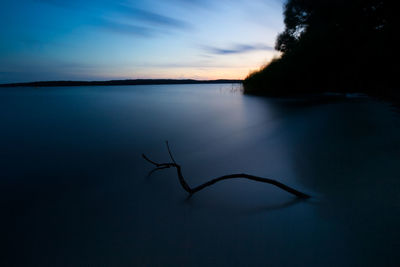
pixel 335 45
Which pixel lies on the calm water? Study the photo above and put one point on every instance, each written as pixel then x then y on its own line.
pixel 74 189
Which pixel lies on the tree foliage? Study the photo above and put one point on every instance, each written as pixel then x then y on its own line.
pixel 336 45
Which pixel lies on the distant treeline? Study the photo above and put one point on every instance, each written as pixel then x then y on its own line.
pixel 116 82
pixel 333 45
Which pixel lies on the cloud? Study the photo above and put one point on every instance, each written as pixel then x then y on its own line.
pixel 120 9
pixel 196 3
pixel 154 18
pixel 237 49
pixel 140 22
pixel 125 28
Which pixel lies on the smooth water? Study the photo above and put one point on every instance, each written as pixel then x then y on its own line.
pixel 74 189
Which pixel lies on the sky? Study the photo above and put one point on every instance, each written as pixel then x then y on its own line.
pixel 136 39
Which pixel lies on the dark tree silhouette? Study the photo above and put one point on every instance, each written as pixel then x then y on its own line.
pixel 335 45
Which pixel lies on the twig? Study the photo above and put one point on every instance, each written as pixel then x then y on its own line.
pixel 170 153
pixel 191 191
pixel 156 169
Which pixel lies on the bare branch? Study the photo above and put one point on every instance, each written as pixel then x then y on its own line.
pixel 170 153
pixel 191 191
pixel 157 169
pixel 149 160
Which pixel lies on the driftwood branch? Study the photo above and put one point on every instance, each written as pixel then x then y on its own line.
pixel 191 191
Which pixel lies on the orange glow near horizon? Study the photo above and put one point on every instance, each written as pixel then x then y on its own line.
pixel 235 68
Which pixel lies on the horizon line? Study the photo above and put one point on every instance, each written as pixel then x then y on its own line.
pixel 57 83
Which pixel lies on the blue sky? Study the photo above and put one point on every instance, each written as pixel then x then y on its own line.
pixel 105 39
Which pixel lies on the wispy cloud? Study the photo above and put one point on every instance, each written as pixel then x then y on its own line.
pixel 237 49
pixel 125 28
pixel 150 17
pixel 124 18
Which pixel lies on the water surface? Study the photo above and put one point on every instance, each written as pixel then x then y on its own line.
pixel 74 189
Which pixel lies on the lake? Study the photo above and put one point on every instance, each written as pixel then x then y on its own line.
pixel 74 190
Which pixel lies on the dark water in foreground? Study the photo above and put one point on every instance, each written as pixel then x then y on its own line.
pixel 74 192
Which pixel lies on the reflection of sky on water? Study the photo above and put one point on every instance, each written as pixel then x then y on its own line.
pixel 74 187
pixel 350 155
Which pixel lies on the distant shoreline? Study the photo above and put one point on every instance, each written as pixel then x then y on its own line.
pixel 117 82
